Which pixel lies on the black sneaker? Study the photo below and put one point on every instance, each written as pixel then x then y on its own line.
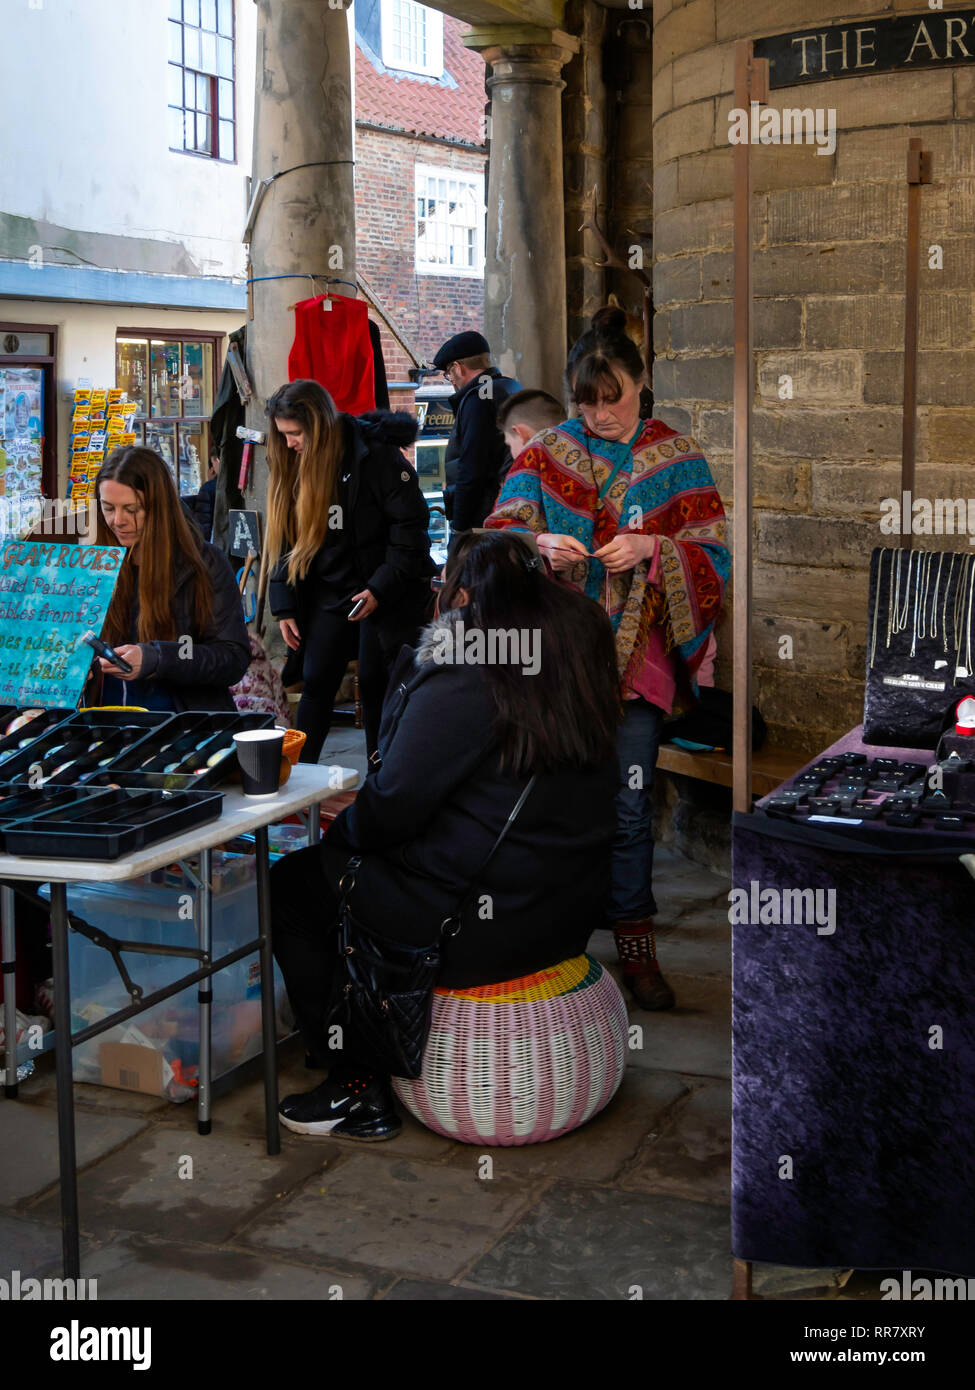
pixel 351 1109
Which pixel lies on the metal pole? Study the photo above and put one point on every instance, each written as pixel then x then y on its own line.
pixel 205 992
pixel 70 1244
pixel 751 84
pixel 268 1029
pixel 918 172
pixel 9 953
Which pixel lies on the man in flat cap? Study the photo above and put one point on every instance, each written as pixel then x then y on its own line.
pixel 477 456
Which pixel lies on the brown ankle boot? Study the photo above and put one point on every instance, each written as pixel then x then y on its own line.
pixel 641 973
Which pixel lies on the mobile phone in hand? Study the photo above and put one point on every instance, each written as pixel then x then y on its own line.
pixel 104 650
pixel 357 609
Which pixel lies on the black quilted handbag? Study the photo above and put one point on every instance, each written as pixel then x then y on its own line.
pixel 920 641
pixel 382 994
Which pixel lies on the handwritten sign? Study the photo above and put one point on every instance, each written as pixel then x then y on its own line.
pixel 49 596
pixel 245 533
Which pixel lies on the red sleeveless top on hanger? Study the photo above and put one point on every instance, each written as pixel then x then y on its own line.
pixel 332 347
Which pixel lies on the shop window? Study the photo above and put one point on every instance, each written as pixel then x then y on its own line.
pixel 172 379
pixel 412 38
pixel 28 454
pixel 201 77
pixel 449 222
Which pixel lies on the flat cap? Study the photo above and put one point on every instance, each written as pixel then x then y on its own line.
pixel 467 344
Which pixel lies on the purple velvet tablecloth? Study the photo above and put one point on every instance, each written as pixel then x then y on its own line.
pixel 854 1049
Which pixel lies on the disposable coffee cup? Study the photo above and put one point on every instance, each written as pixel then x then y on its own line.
pixel 259 753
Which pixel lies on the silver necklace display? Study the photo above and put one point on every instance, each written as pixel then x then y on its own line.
pixel 919 643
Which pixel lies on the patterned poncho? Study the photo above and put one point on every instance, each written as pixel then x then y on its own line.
pixel 657 484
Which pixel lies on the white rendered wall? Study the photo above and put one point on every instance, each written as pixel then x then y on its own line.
pixel 83 108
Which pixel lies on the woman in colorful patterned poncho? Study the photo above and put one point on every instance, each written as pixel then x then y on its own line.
pixel 627 510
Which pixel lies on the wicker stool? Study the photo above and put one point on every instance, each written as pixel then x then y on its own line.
pixel 523 1061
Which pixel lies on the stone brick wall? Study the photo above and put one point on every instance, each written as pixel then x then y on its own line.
pixel 427 308
pixel 829 314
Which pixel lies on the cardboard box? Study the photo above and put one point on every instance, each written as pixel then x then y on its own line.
pixel 133 1067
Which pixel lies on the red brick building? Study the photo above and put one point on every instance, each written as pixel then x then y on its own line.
pixel 420 175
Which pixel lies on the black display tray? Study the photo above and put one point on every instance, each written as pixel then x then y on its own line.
pixel 119 731
pixel 18 802
pixel 47 719
pixel 105 823
pixel 176 743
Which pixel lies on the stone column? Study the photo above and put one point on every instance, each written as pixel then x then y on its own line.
pixel 303 221
pixel 524 272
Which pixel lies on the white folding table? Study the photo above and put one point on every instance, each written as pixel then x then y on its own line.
pixel 306 788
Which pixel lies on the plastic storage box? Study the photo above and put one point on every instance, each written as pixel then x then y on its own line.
pixel 158 1051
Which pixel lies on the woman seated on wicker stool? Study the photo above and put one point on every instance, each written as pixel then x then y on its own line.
pixel 515 676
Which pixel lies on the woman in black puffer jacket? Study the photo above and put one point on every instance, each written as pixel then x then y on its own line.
pixel 175 615
pixel 460 739
pixel 347 554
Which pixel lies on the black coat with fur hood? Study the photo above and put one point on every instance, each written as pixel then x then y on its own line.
pixel 387 523
pixel 426 819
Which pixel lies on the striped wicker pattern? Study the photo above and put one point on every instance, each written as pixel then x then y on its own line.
pixel 523 1061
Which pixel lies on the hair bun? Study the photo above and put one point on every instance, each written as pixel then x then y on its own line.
pixel 609 322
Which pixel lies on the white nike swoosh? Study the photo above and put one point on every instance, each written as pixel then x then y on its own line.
pixel 346 477
pixel 334 1105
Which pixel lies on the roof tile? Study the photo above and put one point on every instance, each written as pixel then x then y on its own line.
pixel 420 105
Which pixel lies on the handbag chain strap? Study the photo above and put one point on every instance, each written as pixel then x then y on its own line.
pixel 347 881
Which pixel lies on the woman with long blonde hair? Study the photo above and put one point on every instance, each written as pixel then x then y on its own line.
pixel 175 615
pixel 347 554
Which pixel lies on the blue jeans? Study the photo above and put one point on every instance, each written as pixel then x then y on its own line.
pixel 631 873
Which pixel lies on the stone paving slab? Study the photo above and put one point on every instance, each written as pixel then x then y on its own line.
pixel 677 877
pixel 139 1188
pixel 29 1246
pixel 779 1281
pixel 426 1291
pixel 692 1156
pixel 30 1145
pixel 143 1267
pixel 588 1243
pixel 693 1039
pixel 601 1148
pixel 397 1214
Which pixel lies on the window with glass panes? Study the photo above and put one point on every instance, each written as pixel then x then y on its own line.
pixel 201 77
pixel 172 379
pixel 449 221
pixel 412 37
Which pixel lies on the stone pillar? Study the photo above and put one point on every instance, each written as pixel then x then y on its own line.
pixel 304 221
pixel 524 272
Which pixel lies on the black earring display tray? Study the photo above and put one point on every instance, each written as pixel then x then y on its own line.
pixel 18 802
pixel 856 791
pixel 177 756
pixel 102 823
pixel 43 720
pixel 63 754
